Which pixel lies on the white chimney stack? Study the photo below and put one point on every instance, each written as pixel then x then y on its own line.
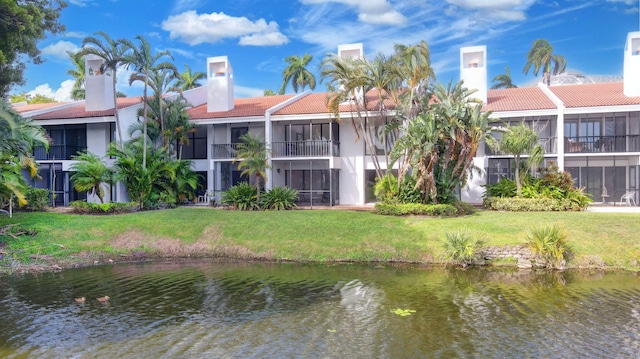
pixel 632 65
pixel 219 84
pixel 473 70
pixel 351 51
pixel 98 84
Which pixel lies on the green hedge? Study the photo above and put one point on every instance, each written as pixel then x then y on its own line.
pixel 104 208
pixel 37 199
pixel 519 204
pixel 436 210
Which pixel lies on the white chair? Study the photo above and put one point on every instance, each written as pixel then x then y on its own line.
pixel 629 197
pixel 204 198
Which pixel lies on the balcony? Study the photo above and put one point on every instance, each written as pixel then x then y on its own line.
pixel 602 144
pixel 57 152
pixel 319 148
pixel 315 148
pixel 549 145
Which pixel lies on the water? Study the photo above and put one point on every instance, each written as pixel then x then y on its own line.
pixel 256 310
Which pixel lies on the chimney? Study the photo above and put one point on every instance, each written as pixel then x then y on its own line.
pixel 219 84
pixel 632 65
pixel 351 51
pixel 473 70
pixel 98 84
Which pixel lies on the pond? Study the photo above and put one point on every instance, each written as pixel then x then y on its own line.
pixel 207 309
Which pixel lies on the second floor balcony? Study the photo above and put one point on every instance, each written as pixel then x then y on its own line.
pixel 549 145
pixel 316 148
pixel 602 144
pixel 57 152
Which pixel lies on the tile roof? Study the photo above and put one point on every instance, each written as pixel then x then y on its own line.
pixel 36 106
pixel 594 95
pixel 78 110
pixel 316 103
pixel 243 107
pixel 518 99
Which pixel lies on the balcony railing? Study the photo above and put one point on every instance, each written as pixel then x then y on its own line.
pixel 549 145
pixel 316 148
pixel 224 151
pixel 57 152
pixel 602 144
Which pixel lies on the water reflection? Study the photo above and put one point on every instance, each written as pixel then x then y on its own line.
pixel 240 310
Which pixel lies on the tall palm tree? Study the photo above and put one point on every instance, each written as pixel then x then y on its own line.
pixel 297 74
pixel 178 126
pixel 252 158
pixel 189 80
pixel 112 52
pixel 90 173
pixel 541 56
pixel 143 60
pixel 78 73
pixel 518 140
pixel 504 80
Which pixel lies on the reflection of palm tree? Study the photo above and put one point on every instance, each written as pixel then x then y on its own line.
pixel 297 73
pixel 541 56
pixel 188 79
pixel 78 73
pixel 504 80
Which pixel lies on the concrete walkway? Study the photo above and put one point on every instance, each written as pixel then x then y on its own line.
pixel 614 209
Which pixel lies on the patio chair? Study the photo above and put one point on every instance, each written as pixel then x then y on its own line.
pixel 204 198
pixel 629 197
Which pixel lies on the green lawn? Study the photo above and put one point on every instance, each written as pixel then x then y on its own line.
pixel 311 235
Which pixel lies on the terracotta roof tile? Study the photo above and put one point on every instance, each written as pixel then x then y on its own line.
pixel 316 103
pixel 594 95
pixel 243 107
pixel 37 106
pixel 518 99
pixel 78 111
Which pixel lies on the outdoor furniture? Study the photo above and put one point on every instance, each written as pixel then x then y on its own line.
pixel 629 198
pixel 204 198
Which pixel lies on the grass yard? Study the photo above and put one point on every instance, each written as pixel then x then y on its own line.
pixel 596 239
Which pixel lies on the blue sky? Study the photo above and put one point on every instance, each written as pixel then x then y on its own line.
pixel 258 35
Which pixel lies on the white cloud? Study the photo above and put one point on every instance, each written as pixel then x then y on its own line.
pixel 60 48
pixel 194 28
pixel 505 10
pixel 81 3
pixel 62 94
pixel 242 91
pixel 76 34
pixel 182 5
pixel 369 11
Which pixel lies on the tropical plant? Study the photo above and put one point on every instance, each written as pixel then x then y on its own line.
pixel 78 73
pixel 37 199
pixel 18 137
pixel 297 74
pixel 269 92
pixel 144 62
pixel 280 198
pixel 31 99
pixel 112 52
pixel 520 140
pixel 90 173
pixel 241 197
pixel 185 181
pixel 145 185
pixel 178 127
pixel 462 248
pixel 188 80
pixel 504 80
pixel 549 244
pixel 252 159
pixel 541 57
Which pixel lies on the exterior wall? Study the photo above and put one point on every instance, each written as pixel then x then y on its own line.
pixel 352 158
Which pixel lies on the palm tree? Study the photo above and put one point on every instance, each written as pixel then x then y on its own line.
pixel 517 141
pixel 78 73
pixel 504 80
pixel 112 52
pixel 541 56
pixel 252 155
pixel 144 61
pixel 189 80
pixel 297 73
pixel 18 137
pixel 90 173
pixel 178 126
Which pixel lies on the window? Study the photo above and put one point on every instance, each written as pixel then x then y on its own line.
pixel 195 147
pixel 375 127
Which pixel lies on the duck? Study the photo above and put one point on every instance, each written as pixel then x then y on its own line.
pixel 80 300
pixel 103 299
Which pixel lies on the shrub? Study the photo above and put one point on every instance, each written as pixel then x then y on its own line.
pixel 279 198
pixel 104 208
pixel 462 248
pixel 542 204
pixel 37 199
pixel 504 188
pixel 463 208
pixel 386 188
pixel 443 210
pixel 241 197
pixel 549 245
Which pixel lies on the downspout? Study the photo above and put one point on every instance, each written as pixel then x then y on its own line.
pixel 268 133
pixel 559 124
